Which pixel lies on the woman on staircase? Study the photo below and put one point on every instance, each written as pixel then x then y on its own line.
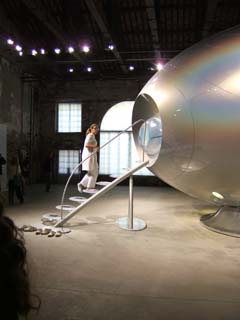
pixel 91 164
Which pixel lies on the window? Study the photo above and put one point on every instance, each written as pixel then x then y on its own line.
pixel 69 117
pixel 67 161
pixel 116 156
pixel 120 154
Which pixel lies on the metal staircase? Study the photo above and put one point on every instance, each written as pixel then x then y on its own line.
pixel 101 192
pixel 104 189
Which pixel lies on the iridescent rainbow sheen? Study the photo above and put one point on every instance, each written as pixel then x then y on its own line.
pixel 200 116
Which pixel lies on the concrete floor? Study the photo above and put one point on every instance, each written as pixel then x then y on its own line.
pixel 175 269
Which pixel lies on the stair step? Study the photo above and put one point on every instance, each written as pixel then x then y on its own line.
pixel 91 191
pixel 65 207
pixel 51 217
pixel 78 199
pixel 103 183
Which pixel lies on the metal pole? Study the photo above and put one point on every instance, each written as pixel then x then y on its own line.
pixel 130 203
pixel 129 223
pixel 144 138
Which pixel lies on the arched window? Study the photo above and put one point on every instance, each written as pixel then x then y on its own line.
pixel 120 154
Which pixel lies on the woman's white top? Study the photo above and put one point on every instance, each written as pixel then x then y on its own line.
pixel 91 163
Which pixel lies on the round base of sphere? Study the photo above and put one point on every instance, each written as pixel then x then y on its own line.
pixel 226 221
pixel 138 224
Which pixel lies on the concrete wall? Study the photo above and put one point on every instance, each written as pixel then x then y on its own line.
pixel 10 101
pixel 15 108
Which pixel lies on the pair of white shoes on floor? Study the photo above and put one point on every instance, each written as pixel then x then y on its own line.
pixel 88 190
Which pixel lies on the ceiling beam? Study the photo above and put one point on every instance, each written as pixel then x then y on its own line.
pixel 103 28
pixel 209 17
pixel 152 20
pixel 38 11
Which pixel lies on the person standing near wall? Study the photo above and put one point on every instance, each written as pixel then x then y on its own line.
pixel 15 181
pixel 48 170
pixel 2 162
pixel 91 164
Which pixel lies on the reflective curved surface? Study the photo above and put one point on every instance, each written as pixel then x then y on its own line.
pixel 150 138
pixel 197 100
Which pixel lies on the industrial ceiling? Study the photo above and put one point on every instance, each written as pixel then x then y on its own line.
pixel 142 33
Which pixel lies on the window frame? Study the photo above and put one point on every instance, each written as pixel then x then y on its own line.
pixel 57 117
pixel 77 172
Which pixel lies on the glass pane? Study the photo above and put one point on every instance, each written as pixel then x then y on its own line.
pixel 119 155
pixel 69 117
pixel 67 161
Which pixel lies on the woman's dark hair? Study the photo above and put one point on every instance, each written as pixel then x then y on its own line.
pixel 15 296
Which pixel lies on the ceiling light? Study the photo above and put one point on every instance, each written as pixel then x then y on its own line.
pixel 111 46
pixel 42 51
pixel 18 48
pixel 70 69
pixel 10 41
pixel 34 52
pixel 57 50
pixel 70 49
pixel 159 66
pixel 20 53
pixel 89 69
pixel 131 68
pixel 85 49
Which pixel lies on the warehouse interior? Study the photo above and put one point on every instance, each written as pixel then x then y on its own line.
pixel 96 54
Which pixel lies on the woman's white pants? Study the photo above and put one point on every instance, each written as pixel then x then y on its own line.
pixel 90 178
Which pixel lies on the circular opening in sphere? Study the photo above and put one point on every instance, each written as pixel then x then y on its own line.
pixel 150 137
pixel 146 109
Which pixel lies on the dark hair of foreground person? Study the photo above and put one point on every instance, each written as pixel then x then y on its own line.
pixel 15 295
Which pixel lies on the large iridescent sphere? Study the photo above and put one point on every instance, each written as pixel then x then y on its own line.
pixel 192 108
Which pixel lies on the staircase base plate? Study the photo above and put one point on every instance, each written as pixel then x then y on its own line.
pixel 138 224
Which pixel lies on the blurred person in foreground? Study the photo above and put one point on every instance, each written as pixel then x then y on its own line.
pixel 15 296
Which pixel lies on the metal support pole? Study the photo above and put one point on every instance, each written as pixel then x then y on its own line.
pixel 130 223
pixel 130 203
